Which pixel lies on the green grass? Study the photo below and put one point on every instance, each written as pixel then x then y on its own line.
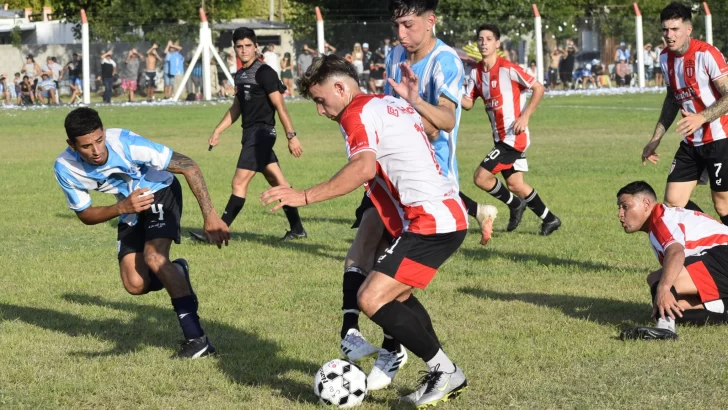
pixel 533 321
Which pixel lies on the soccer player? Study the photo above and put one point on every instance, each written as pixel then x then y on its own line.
pixel 140 174
pixel 391 155
pixel 258 96
pixel 502 85
pixel 692 249
pixel 697 86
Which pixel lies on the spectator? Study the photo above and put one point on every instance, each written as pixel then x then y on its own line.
pixel 512 53
pixel 566 66
pixel 376 77
pixel 17 81
pixel 622 73
pixel 532 69
pixel 357 57
pixel 31 69
pixel 586 76
pixel 130 74
pixel 386 48
pixel 329 49
pixel 174 68
pixel 304 60
pixel 622 53
pixel 601 74
pixel 287 73
pixel 649 59
pixel 53 69
pixel 556 55
pixel 5 90
pixel 366 63
pixel 46 88
pixel 194 86
pixel 26 92
pixel 108 71
pixel 150 71
pixel 73 68
pixel 271 58
pixel 656 67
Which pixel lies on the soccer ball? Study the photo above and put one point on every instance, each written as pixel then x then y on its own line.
pixel 340 383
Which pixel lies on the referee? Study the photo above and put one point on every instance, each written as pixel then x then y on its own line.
pixel 258 96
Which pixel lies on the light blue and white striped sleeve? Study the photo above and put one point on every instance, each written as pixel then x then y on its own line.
pixel 141 151
pixel 448 77
pixel 76 194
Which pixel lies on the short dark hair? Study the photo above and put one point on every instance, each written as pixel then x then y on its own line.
pixel 493 28
pixel 637 187
pixel 82 121
pixel 401 8
pixel 321 69
pixel 242 33
pixel 676 11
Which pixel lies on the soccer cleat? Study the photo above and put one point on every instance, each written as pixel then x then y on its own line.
pixel 290 235
pixel 355 347
pixel 200 237
pixel 385 367
pixel 436 387
pixel 516 215
pixel 547 228
pixel 186 269
pixel 647 333
pixel 485 216
pixel 194 348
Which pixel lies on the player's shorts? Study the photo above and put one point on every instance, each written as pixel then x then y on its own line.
pixel 690 163
pixel 128 84
pixel 506 159
pixel 162 220
pixel 709 272
pixel 257 152
pixel 413 259
pixel 151 79
pixel 366 203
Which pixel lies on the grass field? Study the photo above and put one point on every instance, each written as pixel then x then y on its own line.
pixel 533 321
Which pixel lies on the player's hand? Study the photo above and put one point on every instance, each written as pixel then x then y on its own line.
pixel 649 154
pixel 139 200
pixel 690 123
pixel 217 231
pixel 520 124
pixel 665 304
pixel 214 139
pixel 409 86
pixel 294 147
pixel 285 195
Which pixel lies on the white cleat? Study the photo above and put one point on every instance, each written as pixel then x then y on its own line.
pixel 355 347
pixel 485 216
pixel 385 367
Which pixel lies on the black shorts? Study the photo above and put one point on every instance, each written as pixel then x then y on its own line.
pixel 709 272
pixel 413 259
pixel 366 203
pixel 151 79
pixel 690 162
pixel 257 151
pixel 162 220
pixel 553 75
pixel 506 159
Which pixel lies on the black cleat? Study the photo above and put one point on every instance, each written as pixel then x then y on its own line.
pixel 516 215
pixel 194 349
pixel 647 333
pixel 290 235
pixel 200 237
pixel 186 269
pixel 547 228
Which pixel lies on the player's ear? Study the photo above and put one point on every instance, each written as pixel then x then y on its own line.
pixel 70 144
pixel 431 20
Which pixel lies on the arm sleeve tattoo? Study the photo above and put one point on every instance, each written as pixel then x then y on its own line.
pixel 720 107
pixel 670 109
pixel 181 164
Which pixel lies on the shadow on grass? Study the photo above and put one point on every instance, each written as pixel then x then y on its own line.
pixel 244 357
pixel 599 310
pixel 481 253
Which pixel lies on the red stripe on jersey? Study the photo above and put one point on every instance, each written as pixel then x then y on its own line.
pixel 387 210
pixel 708 241
pixel 707 289
pixel 461 218
pixel 422 222
pixel 414 273
pixel 658 227
pixel 357 137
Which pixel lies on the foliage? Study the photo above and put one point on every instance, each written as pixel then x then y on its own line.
pixel 16 37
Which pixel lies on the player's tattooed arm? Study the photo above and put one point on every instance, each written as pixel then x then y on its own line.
pixel 720 107
pixel 182 164
pixel 670 109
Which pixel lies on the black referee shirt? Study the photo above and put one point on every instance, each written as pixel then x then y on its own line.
pixel 252 86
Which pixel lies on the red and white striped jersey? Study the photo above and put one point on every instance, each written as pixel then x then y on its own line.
pixel 694 230
pixel 409 189
pixel 690 77
pixel 503 89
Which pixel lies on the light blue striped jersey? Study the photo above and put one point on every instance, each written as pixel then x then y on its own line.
pixel 134 162
pixel 441 73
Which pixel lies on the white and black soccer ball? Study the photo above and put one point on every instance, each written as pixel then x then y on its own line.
pixel 340 383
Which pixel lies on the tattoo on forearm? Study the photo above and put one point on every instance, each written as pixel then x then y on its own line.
pixel 720 107
pixel 670 108
pixel 181 164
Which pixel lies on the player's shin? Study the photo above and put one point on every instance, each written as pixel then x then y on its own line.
pixel 353 279
pixel 189 321
pixel 700 317
pixel 502 194
pixel 232 209
pixel 415 306
pixel 294 219
pixel 470 205
pixel 535 204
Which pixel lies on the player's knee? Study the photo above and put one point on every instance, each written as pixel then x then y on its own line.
pixel 483 179
pixel 721 207
pixel 154 260
pixel 135 286
pixel 369 301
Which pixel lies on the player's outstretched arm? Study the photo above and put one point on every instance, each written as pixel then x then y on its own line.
pixel 692 122
pixel 521 122
pixel 294 145
pixel 137 202
pixel 670 108
pixel 665 303
pixel 441 115
pixel 467 103
pixel 361 168
pixel 230 116
pixel 216 230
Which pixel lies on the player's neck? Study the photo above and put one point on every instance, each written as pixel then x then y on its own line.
pixel 684 48
pixel 426 48
pixel 249 63
pixel 489 61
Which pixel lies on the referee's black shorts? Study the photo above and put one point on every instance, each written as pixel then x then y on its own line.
pixel 257 151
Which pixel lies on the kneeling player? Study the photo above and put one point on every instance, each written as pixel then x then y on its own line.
pixel 139 173
pixel 693 251
pixel 390 153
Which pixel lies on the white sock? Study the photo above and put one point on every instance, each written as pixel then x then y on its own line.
pixel 666 323
pixel 446 365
